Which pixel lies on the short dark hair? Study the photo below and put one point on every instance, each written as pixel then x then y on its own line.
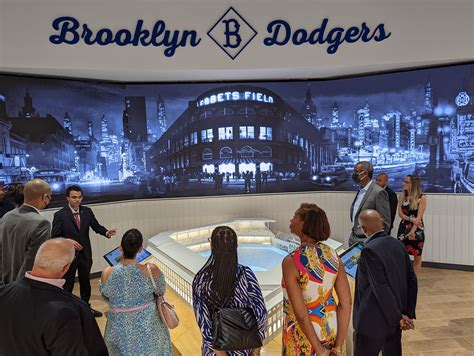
pixel 14 192
pixel 315 221
pixel 132 242
pixel 76 188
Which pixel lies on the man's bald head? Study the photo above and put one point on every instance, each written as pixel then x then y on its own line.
pixel 35 192
pixel 53 256
pixel 382 180
pixel 370 221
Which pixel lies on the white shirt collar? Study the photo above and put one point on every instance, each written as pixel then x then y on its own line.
pixel 370 237
pixel 367 186
pixel 54 282
pixel 74 211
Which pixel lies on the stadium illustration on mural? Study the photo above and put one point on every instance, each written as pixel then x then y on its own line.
pixel 126 141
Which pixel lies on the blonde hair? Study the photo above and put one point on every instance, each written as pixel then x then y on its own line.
pixel 415 193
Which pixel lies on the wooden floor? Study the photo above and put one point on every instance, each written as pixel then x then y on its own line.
pixel 444 325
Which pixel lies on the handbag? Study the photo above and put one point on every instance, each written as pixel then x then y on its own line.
pixel 166 310
pixel 235 328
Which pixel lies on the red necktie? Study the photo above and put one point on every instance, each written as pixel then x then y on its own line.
pixel 78 219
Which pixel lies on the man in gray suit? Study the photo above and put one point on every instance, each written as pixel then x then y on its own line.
pixel 369 196
pixel 22 231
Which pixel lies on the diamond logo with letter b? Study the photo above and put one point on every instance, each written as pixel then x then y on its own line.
pixel 232 33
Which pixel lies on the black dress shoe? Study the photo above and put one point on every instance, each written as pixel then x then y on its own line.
pixel 96 313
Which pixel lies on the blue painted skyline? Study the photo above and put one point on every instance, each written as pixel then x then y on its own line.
pixel 420 120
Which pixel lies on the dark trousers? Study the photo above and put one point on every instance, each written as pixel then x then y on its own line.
pixel 248 187
pixel 82 264
pixel 368 346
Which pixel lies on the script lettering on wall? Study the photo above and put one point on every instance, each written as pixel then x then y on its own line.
pixel 231 33
pixel 71 32
pixel 281 33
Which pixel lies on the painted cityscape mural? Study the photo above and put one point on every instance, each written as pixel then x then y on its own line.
pixel 123 141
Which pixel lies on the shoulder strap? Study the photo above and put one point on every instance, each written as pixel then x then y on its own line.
pixel 153 280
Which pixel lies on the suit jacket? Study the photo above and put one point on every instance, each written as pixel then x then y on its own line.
pixel 375 198
pixel 386 287
pixel 393 200
pixel 22 231
pixel 43 319
pixel 5 206
pixel 64 225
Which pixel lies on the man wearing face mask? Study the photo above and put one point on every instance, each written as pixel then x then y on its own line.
pixel 385 293
pixel 23 230
pixel 369 196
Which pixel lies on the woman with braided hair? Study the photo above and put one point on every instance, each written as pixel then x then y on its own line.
pixel 224 280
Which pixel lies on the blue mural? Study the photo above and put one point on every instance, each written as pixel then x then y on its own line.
pixel 127 140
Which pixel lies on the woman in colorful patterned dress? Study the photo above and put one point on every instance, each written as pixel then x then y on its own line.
pixel 223 279
pixel 134 326
pixel 313 323
pixel 411 208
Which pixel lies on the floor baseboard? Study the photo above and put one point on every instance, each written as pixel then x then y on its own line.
pixel 456 267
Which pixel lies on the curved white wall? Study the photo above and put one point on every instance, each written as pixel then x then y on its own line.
pixel 449 219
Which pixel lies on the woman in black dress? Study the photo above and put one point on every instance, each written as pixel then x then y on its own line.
pixel 411 208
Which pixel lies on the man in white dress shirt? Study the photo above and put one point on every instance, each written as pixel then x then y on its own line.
pixel 370 196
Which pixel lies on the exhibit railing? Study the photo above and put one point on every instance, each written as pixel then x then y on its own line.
pixel 177 255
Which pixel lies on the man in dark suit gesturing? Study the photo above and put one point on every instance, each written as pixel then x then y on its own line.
pixel 369 196
pixel 73 221
pixel 385 293
pixel 382 182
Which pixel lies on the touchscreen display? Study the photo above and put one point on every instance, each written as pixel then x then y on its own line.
pixel 350 258
pixel 114 256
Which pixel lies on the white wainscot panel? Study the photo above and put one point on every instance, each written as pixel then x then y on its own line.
pixel 448 219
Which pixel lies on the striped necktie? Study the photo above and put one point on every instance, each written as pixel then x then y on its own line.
pixel 77 217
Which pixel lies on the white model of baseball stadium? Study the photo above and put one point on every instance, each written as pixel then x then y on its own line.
pixel 180 254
